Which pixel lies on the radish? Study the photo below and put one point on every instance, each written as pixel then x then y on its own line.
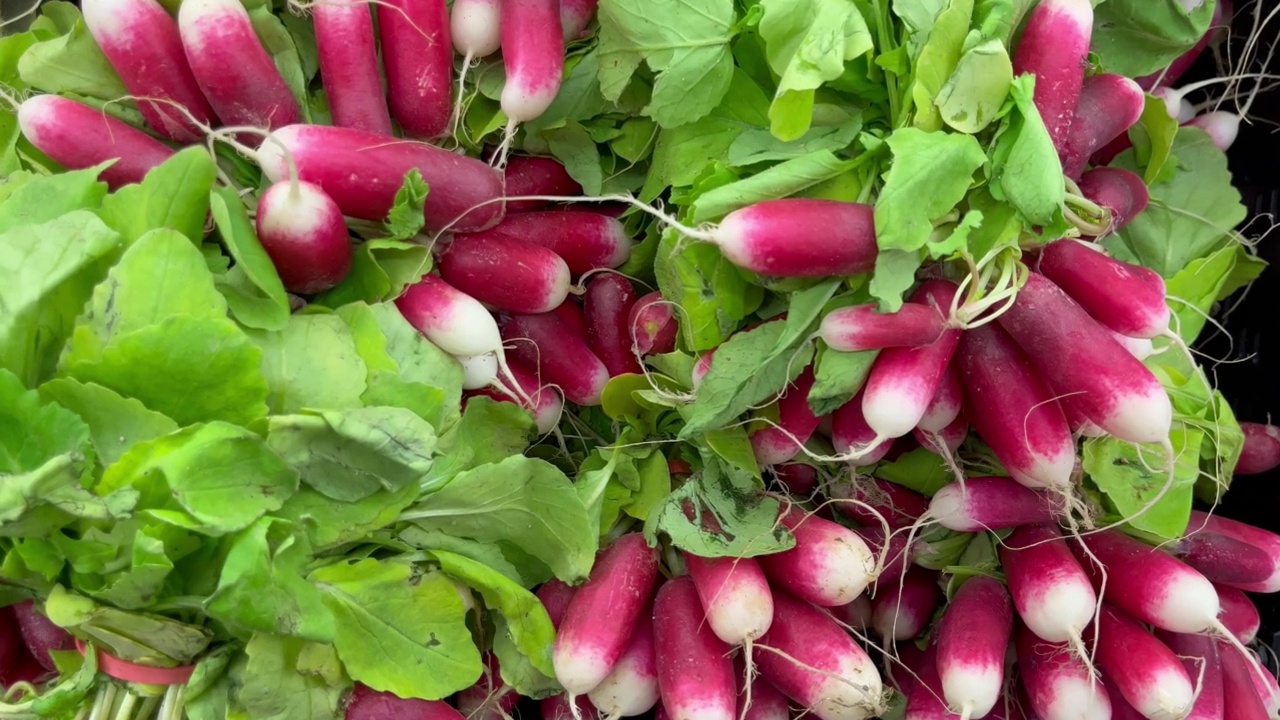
pixel 850 432
pixel 506 274
pixel 863 327
pixel 1176 104
pixel 946 404
pixel 991 503
pixel 77 137
pixel 926 700
pixel 12 652
pixel 40 635
pixel 474 28
pixel 653 326
pixel 897 557
pixel 1055 48
pixel 1077 356
pixel 1140 348
pixel 631 688
pixel 1050 590
pixel 1261 447
pixel 766 701
pixel 903 381
pixel 1264 683
pixel 555 597
pixel 828 566
pixel 304 233
pixel 478 371
pixel 695 673
pixel 490 698
pixel 1224 559
pixel 890 502
pixel 1199 656
pixel 603 613
pixel 701 367
pixel 1241 698
pixel 1221 126
pixel 1144 670
pixel 1148 584
pixel 1013 410
pixel 586 240
pixel 1058 684
pixel 857 614
pixel 237 76
pixel 529 174
pixel 796 423
pixel 735 596
pixel 1268 541
pixel 815 663
pixel 559 707
pixel 973 636
pixel 1118 190
pixel 950 439
pixel 363 171
pixel 608 301
pixel 797 478
pixel 542 400
pixel 451 319
pixel 1127 298
pixel 365 703
pixel 561 356
pixel 570 313
pixel 1109 105
pixel 533 56
pixel 900 610
pixel 141 41
pixel 906 664
pixel 575 16
pixel 417 57
pixel 1239 615
pixel 348 55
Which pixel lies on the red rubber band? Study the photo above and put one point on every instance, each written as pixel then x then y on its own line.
pixel 141 674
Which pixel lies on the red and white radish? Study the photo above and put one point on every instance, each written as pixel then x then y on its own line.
pixel 478 371
pixel 1199 656
pixel 1128 298
pixel 451 319
pixel 901 610
pixel 1224 559
pixel 365 703
pixel 1266 686
pixel 857 614
pixel 946 404
pixel 1239 615
pixel 946 442
pixel 925 701
pixel 560 707
pixel 555 597
pixel 898 556
pixel 864 327
pixel 575 16
pixel 607 304
pixel 303 231
pixel 797 478
pixel 40 635
pixel 1054 47
pixel 695 672
pixel 1241 698
pixel 1266 540
pixel 78 136
pixel 539 398
pixel 851 435
pixel 1221 126
pixel 735 596
pixel 1261 450
pixel 766 701
pixel 474 28
pixel 631 688
pixel 1050 590
pixel 1144 670
pixel 1118 190
pixel 571 313
pixel 348 55
pixel 779 443
pixel 586 240
pixel 531 174
pixel 561 356
pixel 417 57
pixel 533 56
pixel 1140 348
pixel 990 503
pixel 1109 105
pixel 509 275
pixel 490 698
pixel 653 325
pixel 1059 686
pixel 828 566
pixel 889 502
pixel 973 636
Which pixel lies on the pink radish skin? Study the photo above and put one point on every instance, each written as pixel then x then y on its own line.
pixel 304 233
pixel 1241 699
pixel 603 613
pixel 735 595
pixel 1268 541
pixel 632 687
pixel 474 27
pixel 348 54
pixel 828 566
pixel 863 327
pixel 1239 614
pixel 973 636
pixel 417 57
pixel 796 424
pixel 561 355
pixel 1077 356
pixel 1149 585
pixel 767 702
pixel 555 597
pixel 846 686
pixel 990 503
pixel 535 175
pixel 1199 656
pixel 366 703
pixel 571 313
pixel 926 700
pixel 1265 685
pixel 897 559
pixel 1109 105
pixel 40 635
pixel 1050 590
pixel 798 478
pixel 586 240
pixel 701 367
pixel 1118 190
pixel 78 136
pixel 607 304
pixel 850 433
pixel 490 698
pixel 13 653
pixel 653 325
pixel 1224 559
pixel 533 55
pixel 1261 448
pixel 1055 48
pixel 575 16
pixel 1144 670
pixel 233 69
pixel 951 437
pixel 545 402
pixel 1057 682
pixel 695 672
pixel 903 381
pixel 505 274
pixel 901 507
pixel 451 319
pixel 799 237
pixel 1127 298
pixel 558 707
pixel 900 610
pixel 1222 127
pixel 1013 410
pixel 910 664
pixel 363 171
pixel 946 404
pixel 856 614
pixel 142 43
pixel 1120 708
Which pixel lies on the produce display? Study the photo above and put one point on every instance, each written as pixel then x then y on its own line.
pixel 686 359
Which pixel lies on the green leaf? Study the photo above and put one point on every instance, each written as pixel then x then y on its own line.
pixel 47 273
pixel 380 270
pixel 518 500
pixel 134 637
pixel 1153 137
pixel 917 469
pixel 808 43
pixel 492 555
pixel 405 219
pixel 712 292
pixel 1193 292
pixel 148 568
pixel 1139 37
pixel 270 685
pixel 70 63
pixel 351 454
pixel 330 523
pixel 38 199
pixel 837 377
pixel 115 423
pixel 713 516
pixel 782 180
pixel 262 588
pixel 32 431
pixel 573 147
pixel 277 41
pixel 12 49
pixel 1133 476
pixel 174 195
pixel 1026 168
pixel 399 630
pixel 757 146
pixel 894 274
pixel 684 42
pixel 972 97
pixel 312 363
pixel 930 174
pixel 252 286
pixel 938 60
pixel 39 502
